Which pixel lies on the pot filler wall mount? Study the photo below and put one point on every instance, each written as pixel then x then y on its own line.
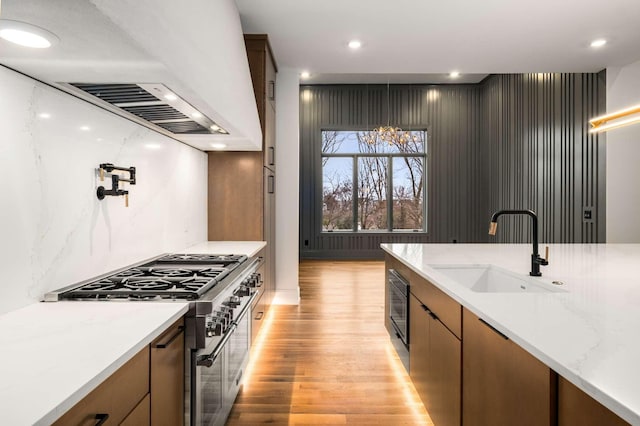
pixel 115 190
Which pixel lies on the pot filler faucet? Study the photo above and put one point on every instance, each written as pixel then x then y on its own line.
pixel 536 260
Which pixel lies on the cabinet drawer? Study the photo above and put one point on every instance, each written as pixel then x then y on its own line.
pixel 117 396
pixel 448 310
pixel 167 376
pixel 258 312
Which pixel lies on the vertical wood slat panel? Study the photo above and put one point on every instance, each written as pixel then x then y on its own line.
pixel 554 156
pixel 512 141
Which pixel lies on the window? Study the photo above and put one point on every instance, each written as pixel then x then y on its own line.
pixel 372 186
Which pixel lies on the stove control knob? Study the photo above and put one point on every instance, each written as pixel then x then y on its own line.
pixel 223 319
pixel 215 328
pixel 243 291
pixel 227 312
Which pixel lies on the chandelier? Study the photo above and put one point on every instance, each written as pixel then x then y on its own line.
pixel 389 134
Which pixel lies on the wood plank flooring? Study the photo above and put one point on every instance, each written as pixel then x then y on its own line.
pixel 329 360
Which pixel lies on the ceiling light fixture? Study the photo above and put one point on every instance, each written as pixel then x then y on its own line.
pixel 615 120
pixel 389 134
pixel 305 75
pixel 355 44
pixel 26 34
pixel 85 128
pixel 44 115
pixel 598 43
pixel 454 74
pixel 216 145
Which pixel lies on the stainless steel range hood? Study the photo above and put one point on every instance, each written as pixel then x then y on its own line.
pixel 153 105
pixel 125 56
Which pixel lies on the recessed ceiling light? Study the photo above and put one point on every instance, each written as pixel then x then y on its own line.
pixel 170 97
pixel 216 145
pixel 26 34
pixel 44 115
pixel 598 43
pixel 454 74
pixel 304 75
pixel 153 146
pixel 196 114
pixel 85 128
pixel 355 44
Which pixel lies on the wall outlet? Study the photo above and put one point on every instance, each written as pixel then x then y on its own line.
pixel 588 214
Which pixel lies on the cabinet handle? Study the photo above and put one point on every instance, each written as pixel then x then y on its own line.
pixel 101 419
pixel 272 90
pixel 174 337
pixel 270 184
pixel 272 156
pixel 493 328
pixel 428 311
pixel 259 316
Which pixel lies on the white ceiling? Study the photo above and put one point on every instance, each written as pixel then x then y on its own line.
pixel 418 37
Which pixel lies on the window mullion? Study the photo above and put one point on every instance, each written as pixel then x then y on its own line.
pixel 356 194
pixel 390 194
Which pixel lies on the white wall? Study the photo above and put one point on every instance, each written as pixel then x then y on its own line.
pixel 53 230
pixel 287 184
pixel 623 158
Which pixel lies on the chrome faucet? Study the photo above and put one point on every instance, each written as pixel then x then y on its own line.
pixel 536 260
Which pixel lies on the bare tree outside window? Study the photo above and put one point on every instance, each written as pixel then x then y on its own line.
pixel 389 182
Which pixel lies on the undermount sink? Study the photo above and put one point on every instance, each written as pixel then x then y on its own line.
pixel 492 279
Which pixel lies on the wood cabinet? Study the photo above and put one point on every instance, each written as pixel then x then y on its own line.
pixel 577 408
pixel 167 377
pixel 147 390
pixel 435 354
pixel 241 194
pixel 114 398
pixel 503 383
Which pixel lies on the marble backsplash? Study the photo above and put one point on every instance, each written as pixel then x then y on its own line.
pixel 53 230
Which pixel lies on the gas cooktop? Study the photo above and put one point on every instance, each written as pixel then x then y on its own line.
pixel 169 276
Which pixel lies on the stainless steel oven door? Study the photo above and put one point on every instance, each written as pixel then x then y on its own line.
pixel 208 391
pixel 238 354
pixel 217 372
pixel 399 305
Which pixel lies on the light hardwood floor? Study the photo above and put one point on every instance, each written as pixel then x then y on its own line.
pixel 329 360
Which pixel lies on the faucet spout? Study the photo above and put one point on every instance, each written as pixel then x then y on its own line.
pixel 536 260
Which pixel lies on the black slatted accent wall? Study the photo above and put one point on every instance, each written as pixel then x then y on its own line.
pixel 538 154
pixel 511 141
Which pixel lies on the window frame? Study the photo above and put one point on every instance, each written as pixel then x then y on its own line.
pixel 354 209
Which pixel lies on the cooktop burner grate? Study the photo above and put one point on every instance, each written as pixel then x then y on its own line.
pixel 173 276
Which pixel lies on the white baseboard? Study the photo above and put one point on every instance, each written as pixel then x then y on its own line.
pixel 287 297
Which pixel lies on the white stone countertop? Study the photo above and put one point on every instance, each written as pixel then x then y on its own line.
pixel 53 354
pixel 587 334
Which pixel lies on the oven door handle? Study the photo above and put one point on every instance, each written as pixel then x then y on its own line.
pixel 245 308
pixel 208 360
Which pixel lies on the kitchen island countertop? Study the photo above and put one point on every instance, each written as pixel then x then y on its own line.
pixel 587 334
pixel 54 354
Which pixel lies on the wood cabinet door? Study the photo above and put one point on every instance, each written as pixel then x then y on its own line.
pixel 115 398
pixel 444 376
pixel 418 346
pixel 503 383
pixel 167 377
pixel 577 408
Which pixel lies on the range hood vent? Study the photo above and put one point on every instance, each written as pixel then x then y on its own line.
pixel 153 105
